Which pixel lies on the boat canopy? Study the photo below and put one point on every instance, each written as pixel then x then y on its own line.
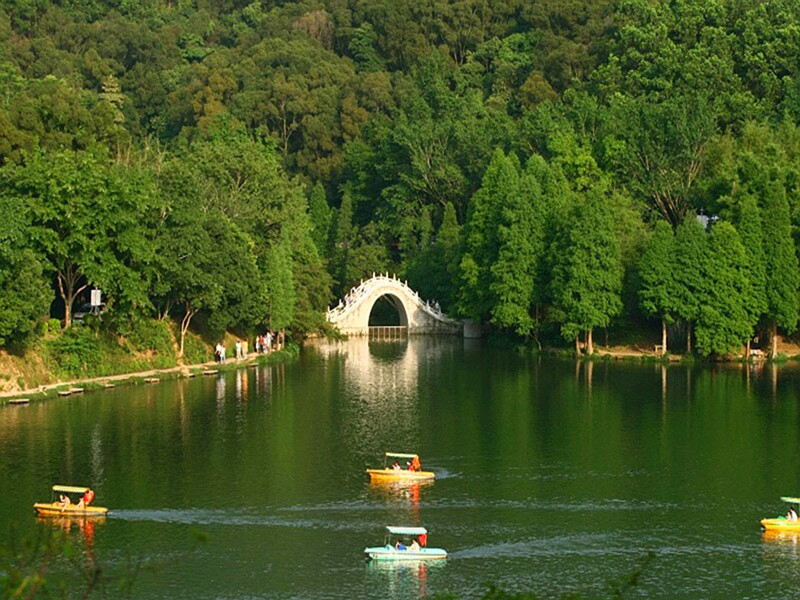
pixel 399 455
pixel 69 489
pixel 790 499
pixel 406 530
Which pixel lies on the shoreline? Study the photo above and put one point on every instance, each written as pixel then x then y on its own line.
pixel 149 376
pixel 637 354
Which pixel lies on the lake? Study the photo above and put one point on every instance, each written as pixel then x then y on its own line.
pixel 552 476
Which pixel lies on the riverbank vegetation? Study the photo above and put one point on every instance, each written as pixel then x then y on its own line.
pixel 548 168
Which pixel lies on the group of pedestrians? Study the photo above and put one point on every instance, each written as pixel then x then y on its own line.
pixel 264 344
pixel 350 296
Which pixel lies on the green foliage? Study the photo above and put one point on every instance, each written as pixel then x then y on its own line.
pixel 433 272
pixel 587 274
pixel 516 274
pixel 657 273
pixel 783 275
pixel 500 187
pixel 280 290
pixel 196 351
pixel 148 334
pixel 690 253
pixel 87 221
pixel 24 291
pixel 75 352
pixel 724 323
pixel 749 226
pixel 320 216
pixel 149 148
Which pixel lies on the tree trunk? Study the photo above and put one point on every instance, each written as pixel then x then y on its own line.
pixel 187 318
pixel 167 308
pixel 773 330
pixel 589 345
pixel 536 327
pixel 747 350
pixel 69 289
pixel 688 337
pixel 663 336
pixel 578 345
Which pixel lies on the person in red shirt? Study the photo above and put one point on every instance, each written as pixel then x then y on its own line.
pixel 88 496
pixel 415 464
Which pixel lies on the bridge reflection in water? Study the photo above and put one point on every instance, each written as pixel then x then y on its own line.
pixel 380 381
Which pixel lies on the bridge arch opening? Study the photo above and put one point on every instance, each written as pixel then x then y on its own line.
pixel 388 310
pixel 388 318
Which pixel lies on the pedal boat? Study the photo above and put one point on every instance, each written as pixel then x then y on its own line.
pixel 388 552
pixel 387 473
pixel 56 509
pixel 782 523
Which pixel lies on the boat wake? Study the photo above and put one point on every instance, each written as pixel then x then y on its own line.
pixel 221 517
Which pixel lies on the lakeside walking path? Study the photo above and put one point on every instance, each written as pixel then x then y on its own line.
pixel 184 370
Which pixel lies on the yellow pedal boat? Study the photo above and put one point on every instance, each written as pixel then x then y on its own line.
pixel 58 509
pixel 396 473
pixel 787 523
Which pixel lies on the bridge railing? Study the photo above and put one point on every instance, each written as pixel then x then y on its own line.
pixel 355 294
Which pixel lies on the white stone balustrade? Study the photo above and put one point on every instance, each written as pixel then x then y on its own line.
pixel 351 315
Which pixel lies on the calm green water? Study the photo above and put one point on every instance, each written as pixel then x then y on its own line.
pixel 551 476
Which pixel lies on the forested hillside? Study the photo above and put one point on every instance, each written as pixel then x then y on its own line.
pixel 534 165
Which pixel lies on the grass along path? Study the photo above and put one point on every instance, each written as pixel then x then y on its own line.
pixel 94 383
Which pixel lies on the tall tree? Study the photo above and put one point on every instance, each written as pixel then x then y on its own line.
pixel 320 216
pixel 659 148
pixel 343 237
pixel 85 218
pixel 209 266
pixel 690 252
pixel 724 322
pixel 587 274
pixel 434 271
pixel 516 274
pixel 499 187
pixel 749 226
pixel 657 275
pixel 25 293
pixel 783 276
pixel 280 285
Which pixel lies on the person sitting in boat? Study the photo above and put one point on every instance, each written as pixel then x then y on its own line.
pixel 64 501
pixel 87 498
pixel 415 465
pixel 400 545
pixel 792 515
pixel 396 466
pixel 414 547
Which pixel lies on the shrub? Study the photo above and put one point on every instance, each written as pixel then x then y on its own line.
pixel 195 351
pixel 53 326
pixel 75 350
pixel 147 334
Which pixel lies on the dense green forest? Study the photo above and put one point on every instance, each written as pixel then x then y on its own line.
pixel 538 166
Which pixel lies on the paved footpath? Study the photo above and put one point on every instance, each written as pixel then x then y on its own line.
pixel 250 358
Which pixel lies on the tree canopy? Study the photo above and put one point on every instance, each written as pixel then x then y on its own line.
pixel 321 142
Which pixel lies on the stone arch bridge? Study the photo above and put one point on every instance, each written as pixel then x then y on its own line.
pixel 351 315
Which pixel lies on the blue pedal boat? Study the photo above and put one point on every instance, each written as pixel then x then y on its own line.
pixel 405 543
